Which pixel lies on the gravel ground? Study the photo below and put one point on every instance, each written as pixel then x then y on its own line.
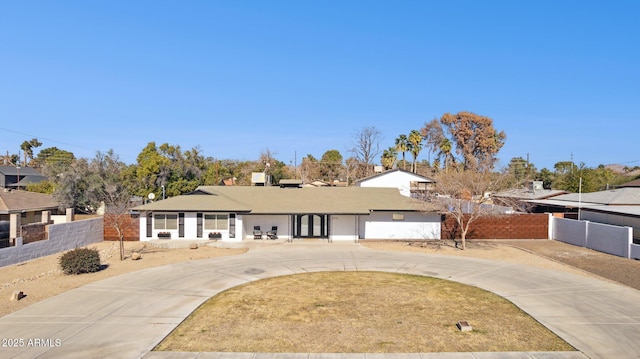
pixel 545 253
pixel 621 270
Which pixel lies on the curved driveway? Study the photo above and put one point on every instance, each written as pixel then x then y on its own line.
pixel 126 316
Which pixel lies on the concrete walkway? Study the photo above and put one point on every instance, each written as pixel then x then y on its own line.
pixel 126 316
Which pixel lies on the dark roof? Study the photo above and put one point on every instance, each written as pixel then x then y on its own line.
pixel 23 171
pixel 12 201
pixel 27 175
pixel 275 200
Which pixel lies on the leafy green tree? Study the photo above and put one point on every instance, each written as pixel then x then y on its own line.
pixel 547 177
pixel 152 171
pixel 54 161
pixel 580 178
pixel 27 148
pixel 71 189
pixel 602 178
pixel 566 176
pixel 89 185
pixel 330 166
pixel 46 187
pixel 215 173
pixel 9 159
pixel 518 168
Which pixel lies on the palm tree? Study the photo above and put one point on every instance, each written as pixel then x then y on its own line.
pixel 415 146
pixel 402 146
pixel 445 151
pixel 389 157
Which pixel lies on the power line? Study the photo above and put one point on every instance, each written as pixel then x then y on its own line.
pixel 47 139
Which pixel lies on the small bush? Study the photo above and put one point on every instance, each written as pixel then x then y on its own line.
pixel 80 260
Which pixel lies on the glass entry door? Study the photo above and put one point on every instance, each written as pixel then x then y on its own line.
pixel 311 226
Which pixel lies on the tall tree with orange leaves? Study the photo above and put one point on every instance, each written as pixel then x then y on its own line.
pixel 475 139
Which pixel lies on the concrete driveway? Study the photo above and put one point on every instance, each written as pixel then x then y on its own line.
pixel 126 316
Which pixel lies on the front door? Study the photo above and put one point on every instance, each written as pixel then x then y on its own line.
pixel 311 226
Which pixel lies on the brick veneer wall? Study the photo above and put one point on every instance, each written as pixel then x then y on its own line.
pixel 132 232
pixel 514 226
pixel 34 232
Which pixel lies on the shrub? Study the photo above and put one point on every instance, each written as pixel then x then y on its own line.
pixel 80 260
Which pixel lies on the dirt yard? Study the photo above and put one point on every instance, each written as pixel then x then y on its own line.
pixel 42 278
pixel 543 253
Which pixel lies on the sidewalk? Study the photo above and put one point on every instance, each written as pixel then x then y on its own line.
pixel 126 316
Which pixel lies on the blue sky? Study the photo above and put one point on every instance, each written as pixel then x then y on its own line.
pixel 235 78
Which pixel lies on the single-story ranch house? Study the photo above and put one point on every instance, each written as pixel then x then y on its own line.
pixel 233 213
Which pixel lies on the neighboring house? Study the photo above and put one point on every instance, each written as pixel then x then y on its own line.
pixel 335 213
pixel 620 206
pixel 26 208
pixel 29 205
pixel 409 183
pixel 518 198
pixel 634 183
pixel 19 177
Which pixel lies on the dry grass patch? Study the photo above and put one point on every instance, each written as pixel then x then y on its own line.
pixel 358 312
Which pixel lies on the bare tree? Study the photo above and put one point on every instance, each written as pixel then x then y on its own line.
pixel 117 212
pixel 433 136
pixel 465 197
pixel 367 147
pixel 309 169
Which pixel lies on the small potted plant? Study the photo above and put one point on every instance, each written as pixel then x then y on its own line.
pixel 215 235
pixel 164 234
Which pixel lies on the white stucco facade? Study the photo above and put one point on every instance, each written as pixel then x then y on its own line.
pixel 394 179
pixel 395 225
pixel 378 225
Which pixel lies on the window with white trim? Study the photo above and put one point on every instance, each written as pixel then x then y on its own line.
pixel 216 221
pixel 164 221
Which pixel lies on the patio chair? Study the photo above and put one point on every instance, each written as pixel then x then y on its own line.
pixel 273 233
pixel 257 233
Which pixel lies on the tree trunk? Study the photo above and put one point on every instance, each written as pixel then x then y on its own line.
pixel 122 247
